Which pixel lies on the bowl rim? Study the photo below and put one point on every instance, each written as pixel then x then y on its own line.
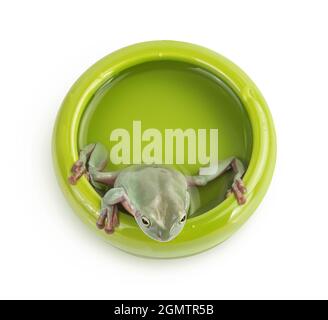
pixel 85 200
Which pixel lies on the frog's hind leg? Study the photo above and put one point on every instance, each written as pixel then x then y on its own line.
pixel 92 161
pixel 238 187
pixel 108 216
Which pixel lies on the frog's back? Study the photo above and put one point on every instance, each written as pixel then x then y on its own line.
pixel 143 183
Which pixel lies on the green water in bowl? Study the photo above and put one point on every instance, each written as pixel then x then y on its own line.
pixel 171 95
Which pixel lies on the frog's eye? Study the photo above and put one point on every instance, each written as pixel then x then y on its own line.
pixel 145 221
pixel 183 219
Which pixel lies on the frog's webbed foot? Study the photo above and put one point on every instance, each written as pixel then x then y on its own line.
pixel 79 168
pixel 238 189
pixel 108 219
pixel 77 171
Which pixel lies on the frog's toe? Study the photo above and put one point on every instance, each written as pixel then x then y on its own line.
pixel 102 219
pixel 116 220
pixel 108 220
pixel 72 180
pixel 77 166
pixel 239 190
pixel 241 186
pixel 109 230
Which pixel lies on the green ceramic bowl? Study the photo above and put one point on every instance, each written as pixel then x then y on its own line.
pixel 169 84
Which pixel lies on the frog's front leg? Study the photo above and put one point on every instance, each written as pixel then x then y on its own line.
pixel 108 216
pixel 238 187
pixel 92 160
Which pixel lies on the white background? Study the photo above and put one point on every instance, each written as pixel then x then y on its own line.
pixel 46 252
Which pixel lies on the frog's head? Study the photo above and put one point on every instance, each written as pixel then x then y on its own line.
pixel 165 217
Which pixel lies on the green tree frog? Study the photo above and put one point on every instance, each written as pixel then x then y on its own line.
pixel 155 195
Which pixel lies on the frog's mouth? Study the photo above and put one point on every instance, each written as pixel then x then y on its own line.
pixel 163 236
